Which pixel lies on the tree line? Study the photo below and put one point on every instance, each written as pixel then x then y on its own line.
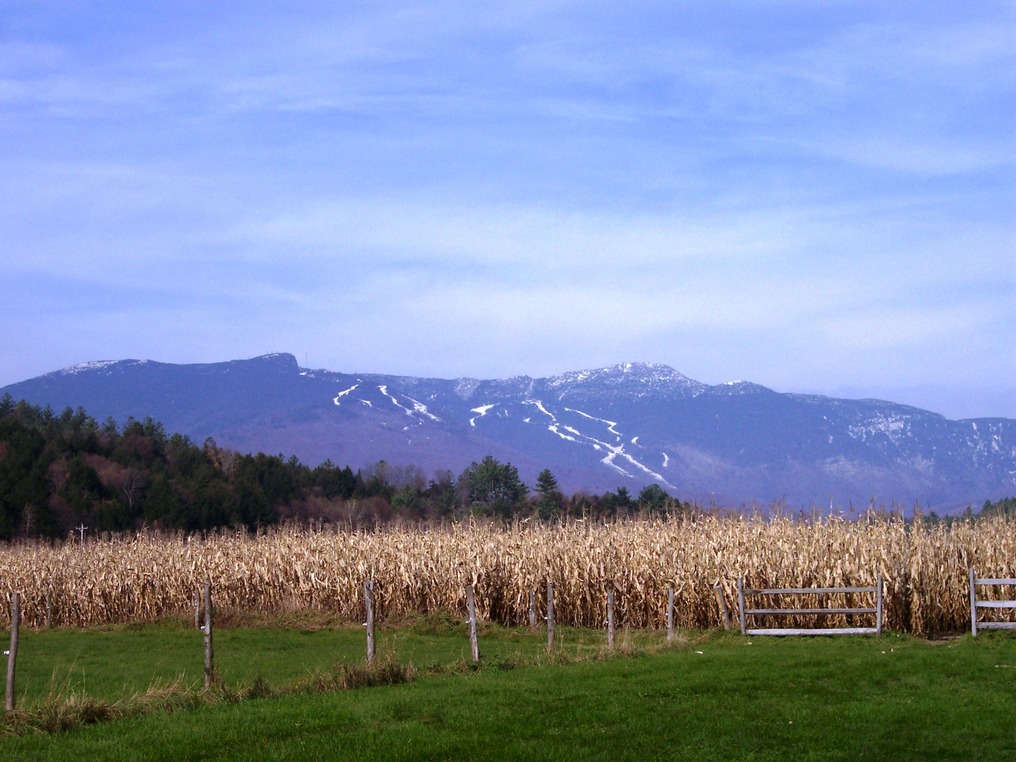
pixel 66 473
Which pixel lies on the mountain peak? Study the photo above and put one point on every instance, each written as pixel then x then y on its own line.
pixel 734 388
pixel 644 377
pixel 282 360
pixel 96 365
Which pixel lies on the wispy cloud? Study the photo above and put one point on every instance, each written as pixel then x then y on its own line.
pixel 782 191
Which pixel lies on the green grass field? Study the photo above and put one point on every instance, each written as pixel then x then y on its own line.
pixel 712 696
pixel 120 661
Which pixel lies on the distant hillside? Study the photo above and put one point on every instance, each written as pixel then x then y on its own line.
pixel 627 425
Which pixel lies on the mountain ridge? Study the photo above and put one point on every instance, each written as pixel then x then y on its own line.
pixel 628 424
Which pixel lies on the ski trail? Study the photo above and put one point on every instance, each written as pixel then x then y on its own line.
pixel 420 408
pixel 338 397
pixel 481 411
pixel 614 452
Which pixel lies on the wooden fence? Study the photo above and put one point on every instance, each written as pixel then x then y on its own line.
pixel 744 611
pixel 978 603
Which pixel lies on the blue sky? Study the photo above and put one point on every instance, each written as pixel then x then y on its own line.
pixel 818 197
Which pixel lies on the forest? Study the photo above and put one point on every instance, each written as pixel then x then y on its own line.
pixel 65 473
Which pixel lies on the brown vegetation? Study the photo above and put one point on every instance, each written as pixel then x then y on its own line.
pixel 424 570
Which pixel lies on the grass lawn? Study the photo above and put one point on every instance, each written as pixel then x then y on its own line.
pixel 715 696
pixel 120 661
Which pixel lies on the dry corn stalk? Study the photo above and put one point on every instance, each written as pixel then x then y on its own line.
pixel 423 570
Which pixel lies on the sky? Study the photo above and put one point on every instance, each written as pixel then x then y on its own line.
pixel 816 197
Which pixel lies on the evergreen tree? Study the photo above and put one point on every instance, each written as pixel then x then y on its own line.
pixel 492 488
pixel 548 506
pixel 440 495
pixel 653 499
pixel 24 484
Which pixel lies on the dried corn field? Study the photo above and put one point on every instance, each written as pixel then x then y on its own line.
pixel 424 570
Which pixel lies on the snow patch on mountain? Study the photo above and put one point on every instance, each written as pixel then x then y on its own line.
pixel 383 388
pixel 614 452
pixel 420 408
pixel 95 365
pixel 618 451
pixel 893 426
pixel 465 387
pixel 337 399
pixel 610 424
pixel 553 427
pixel 737 388
pixel 539 406
pixel 480 412
pixel 640 378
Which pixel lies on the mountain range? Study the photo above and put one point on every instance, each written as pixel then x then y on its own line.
pixel 628 425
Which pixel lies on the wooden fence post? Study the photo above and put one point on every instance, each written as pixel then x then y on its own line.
pixel 49 608
pixel 973 605
pixel 670 614
pixel 550 615
pixel 532 609
pixel 740 604
pixel 474 643
pixel 368 599
pixel 721 602
pixel 209 652
pixel 12 655
pixel 610 617
pixel 197 607
pixel 878 605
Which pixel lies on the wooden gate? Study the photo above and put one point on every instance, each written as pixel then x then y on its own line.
pixel 976 603
pixel 743 594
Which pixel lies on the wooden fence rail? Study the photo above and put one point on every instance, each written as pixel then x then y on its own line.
pixel 977 603
pixel 744 611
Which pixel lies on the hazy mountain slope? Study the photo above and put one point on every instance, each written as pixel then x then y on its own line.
pixel 627 425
